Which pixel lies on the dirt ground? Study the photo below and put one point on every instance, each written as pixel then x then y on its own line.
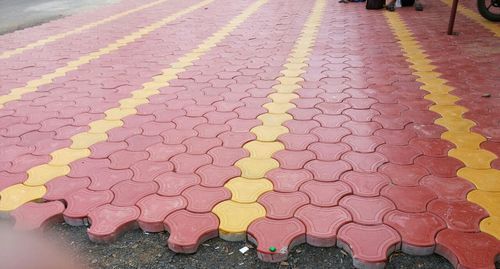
pixel 136 249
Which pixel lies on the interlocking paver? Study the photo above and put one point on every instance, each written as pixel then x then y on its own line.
pixel 107 221
pixel 327 171
pixel 404 175
pixel 459 215
pixel 286 233
pixel 367 210
pixel 81 202
pixel 284 135
pixel 417 230
pixel 282 205
pixel 368 245
pixel 32 216
pixel 409 199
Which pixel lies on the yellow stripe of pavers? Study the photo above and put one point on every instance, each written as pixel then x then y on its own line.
pixel 31 86
pixel 473 15
pixel 53 38
pixel 33 188
pixel 236 214
pixel 477 161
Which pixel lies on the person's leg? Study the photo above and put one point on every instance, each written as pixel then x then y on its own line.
pixel 391 6
pixel 418 5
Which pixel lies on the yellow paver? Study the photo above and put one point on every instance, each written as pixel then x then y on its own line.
pixel 246 190
pixel 484 179
pixel 66 156
pixel 19 194
pixel 469 13
pixel 252 183
pixel 256 168
pixel 236 218
pixel 53 38
pixel 274 119
pixel 33 85
pixel 263 150
pixel 269 133
pixel 39 175
pixel 102 126
pixel 477 161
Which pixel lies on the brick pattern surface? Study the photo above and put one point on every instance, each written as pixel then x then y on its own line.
pixel 278 122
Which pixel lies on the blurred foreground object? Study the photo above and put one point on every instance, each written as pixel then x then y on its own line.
pixel 32 250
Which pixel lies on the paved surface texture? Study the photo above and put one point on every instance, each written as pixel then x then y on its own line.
pixel 277 122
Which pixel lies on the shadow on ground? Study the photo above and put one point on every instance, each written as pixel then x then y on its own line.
pixel 20 14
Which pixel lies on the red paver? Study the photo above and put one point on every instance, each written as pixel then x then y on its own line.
pixel 396 137
pixel 290 159
pixel 468 250
pixel 331 121
pixel 327 171
pixel 173 184
pixel 325 193
pixel 32 216
pixel 161 152
pixel 448 188
pixel 125 159
pixel 216 176
pixel 330 135
pixel 442 167
pixel 362 132
pixel 281 205
pixel 146 170
pixel 223 156
pixel 288 180
pixel 403 155
pixel 185 163
pixel 199 145
pixel 368 245
pixel 155 208
pixel 202 199
pixel 417 230
pixel 327 151
pixel 109 221
pixel 322 223
pixel 458 215
pixel 409 199
pixel 278 235
pixel 60 187
pixel 127 193
pixel 404 175
pixel 80 203
pixel 362 128
pixel 365 184
pixel 364 144
pixel 367 210
pixel 364 162
pixel 297 141
pixel 188 230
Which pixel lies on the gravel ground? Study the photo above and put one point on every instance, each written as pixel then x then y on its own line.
pixel 136 249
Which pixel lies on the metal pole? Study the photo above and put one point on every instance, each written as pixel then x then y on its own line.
pixel 453 14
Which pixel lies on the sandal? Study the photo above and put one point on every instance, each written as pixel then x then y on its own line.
pixel 391 7
pixel 419 6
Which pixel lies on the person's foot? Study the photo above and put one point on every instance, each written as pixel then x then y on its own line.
pixel 419 6
pixel 391 6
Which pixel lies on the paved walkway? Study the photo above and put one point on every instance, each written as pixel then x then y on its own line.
pixel 280 122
